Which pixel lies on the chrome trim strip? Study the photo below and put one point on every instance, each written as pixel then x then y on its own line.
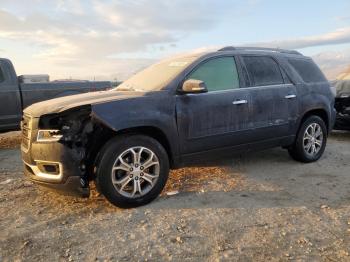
pixel 237 89
pixel 290 96
pixel 29 134
pixel 53 139
pixel 239 102
pixel 46 176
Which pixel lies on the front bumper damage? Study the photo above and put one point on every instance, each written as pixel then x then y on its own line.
pixel 58 171
pixel 57 165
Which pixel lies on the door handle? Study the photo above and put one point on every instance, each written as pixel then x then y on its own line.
pixel 290 96
pixel 239 102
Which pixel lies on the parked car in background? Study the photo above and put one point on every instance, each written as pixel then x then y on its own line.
pixel 175 113
pixel 16 93
pixel 342 104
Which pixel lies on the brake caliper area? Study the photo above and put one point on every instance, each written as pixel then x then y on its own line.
pixel 73 127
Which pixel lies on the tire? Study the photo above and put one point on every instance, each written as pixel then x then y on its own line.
pixel 127 154
pixel 301 151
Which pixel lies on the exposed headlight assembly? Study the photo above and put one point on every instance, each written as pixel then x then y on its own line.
pixel 49 135
pixel 64 126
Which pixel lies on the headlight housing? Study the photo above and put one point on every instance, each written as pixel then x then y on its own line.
pixel 49 135
pixel 63 127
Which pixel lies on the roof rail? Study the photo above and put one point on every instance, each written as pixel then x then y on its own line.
pixel 227 48
pixel 284 51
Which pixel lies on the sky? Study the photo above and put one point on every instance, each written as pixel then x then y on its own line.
pixel 105 39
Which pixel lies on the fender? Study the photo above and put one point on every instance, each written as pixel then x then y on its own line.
pixel 152 111
pixel 316 101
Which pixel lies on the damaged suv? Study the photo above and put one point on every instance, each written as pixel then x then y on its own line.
pixel 177 112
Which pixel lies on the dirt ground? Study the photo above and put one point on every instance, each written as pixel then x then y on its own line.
pixel 258 207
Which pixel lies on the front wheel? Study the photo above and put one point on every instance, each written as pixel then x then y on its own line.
pixel 311 140
pixel 132 170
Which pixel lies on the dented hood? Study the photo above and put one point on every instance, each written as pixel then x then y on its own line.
pixel 61 104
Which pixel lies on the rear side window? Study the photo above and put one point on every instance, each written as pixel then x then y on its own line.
pixel 217 74
pixel 263 71
pixel 307 70
pixel 2 77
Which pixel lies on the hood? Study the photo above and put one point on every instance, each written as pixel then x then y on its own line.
pixel 61 104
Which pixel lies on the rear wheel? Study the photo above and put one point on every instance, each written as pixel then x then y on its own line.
pixel 311 140
pixel 132 170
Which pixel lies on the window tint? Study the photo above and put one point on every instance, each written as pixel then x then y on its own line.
pixel 308 70
pixel 217 74
pixel 263 71
pixel 2 77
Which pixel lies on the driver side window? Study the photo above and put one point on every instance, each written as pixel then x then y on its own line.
pixel 217 74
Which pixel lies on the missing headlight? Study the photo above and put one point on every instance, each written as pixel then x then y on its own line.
pixel 49 135
pixel 68 127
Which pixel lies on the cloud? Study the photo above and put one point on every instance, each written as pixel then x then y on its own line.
pixel 333 63
pixel 75 37
pixel 76 33
pixel 161 17
pixel 109 27
pixel 342 18
pixel 339 36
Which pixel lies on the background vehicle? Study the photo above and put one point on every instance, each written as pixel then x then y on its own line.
pixel 15 94
pixel 175 113
pixel 342 105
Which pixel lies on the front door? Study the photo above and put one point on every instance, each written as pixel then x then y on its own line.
pixel 216 119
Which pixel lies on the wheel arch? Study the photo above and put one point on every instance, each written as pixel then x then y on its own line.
pixel 320 112
pixel 104 133
pixel 151 131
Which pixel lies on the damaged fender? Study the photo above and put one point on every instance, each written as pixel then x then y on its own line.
pixel 157 111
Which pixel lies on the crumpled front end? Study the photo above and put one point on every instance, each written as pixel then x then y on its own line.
pixel 54 150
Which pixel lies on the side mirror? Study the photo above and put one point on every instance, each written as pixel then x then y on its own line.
pixel 194 86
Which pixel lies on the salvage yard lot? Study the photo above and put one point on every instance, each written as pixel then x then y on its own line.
pixel 260 206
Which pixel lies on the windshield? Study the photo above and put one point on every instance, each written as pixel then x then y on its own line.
pixel 156 76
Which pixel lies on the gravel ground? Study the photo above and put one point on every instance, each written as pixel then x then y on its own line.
pixel 258 207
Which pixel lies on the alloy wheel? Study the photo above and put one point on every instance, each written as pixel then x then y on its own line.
pixel 135 172
pixel 313 139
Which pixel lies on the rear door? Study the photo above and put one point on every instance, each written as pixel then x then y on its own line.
pixel 273 98
pixel 10 100
pixel 216 119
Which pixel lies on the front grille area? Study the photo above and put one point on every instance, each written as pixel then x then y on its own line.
pixel 26 126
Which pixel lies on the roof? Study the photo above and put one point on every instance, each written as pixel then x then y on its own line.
pixel 263 49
